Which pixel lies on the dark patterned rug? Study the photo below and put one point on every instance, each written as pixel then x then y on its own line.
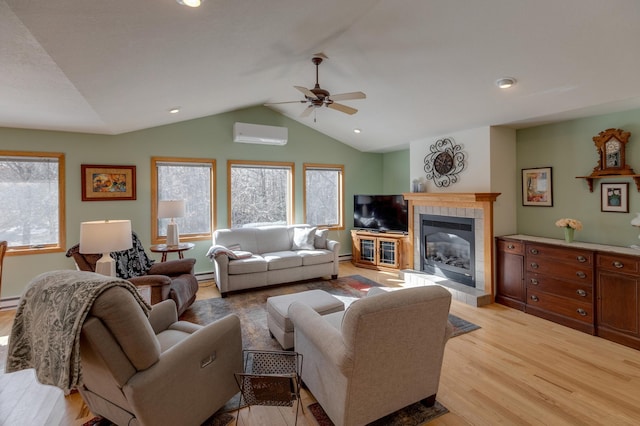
pixel 413 415
pixel 251 307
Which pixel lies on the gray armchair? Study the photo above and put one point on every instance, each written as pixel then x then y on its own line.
pixel 157 370
pixel 383 353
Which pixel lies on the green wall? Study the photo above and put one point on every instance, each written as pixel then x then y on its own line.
pixel 568 148
pixel 396 172
pixel 209 137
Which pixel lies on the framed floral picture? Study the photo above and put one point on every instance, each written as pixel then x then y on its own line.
pixel 537 187
pixel 107 183
pixel 615 197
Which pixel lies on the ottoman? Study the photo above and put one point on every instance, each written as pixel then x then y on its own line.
pixel 281 327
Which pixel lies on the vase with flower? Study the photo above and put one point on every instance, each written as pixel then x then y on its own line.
pixel 570 226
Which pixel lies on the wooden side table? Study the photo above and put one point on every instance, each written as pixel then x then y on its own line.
pixel 164 249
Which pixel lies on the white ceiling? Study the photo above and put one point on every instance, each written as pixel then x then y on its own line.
pixel 428 67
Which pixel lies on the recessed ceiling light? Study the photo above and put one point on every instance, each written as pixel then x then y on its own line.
pixel 506 82
pixel 357 130
pixel 190 3
pixel 174 110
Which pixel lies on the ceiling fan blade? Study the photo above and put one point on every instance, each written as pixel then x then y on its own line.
pixel 307 111
pixel 308 93
pixel 287 102
pixel 347 96
pixel 342 108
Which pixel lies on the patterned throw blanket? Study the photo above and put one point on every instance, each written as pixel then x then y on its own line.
pixel 46 330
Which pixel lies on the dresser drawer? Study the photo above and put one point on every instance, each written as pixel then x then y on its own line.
pixel 561 270
pixel 581 311
pixel 513 247
pixel 571 256
pixel 580 291
pixel 618 263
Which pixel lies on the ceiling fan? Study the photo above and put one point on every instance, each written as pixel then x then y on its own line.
pixel 318 97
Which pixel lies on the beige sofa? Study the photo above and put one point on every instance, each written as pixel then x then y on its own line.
pixel 247 258
pixel 383 353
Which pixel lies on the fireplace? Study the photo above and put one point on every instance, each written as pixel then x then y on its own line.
pixel 447 247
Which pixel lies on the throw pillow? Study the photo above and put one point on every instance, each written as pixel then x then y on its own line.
pixel 133 262
pixel 320 239
pixel 303 238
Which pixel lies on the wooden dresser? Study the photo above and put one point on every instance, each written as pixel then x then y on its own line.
pixel 593 288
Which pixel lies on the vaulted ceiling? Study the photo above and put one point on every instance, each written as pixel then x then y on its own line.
pixel 428 67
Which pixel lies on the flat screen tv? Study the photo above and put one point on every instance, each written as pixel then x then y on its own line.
pixel 382 213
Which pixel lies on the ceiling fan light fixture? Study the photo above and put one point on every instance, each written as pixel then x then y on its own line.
pixel 190 3
pixel 506 82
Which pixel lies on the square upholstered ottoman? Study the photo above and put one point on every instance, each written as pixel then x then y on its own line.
pixel 281 327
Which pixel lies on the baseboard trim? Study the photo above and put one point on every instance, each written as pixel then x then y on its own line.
pixel 205 276
pixel 344 258
pixel 9 303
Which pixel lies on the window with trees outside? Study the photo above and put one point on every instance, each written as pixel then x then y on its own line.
pixel 324 195
pixel 188 179
pixel 33 202
pixel 260 193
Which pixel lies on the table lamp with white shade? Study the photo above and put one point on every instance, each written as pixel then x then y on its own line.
pixel 171 209
pixel 105 236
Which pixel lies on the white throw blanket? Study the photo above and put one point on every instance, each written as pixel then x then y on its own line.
pixel 46 330
pixel 217 250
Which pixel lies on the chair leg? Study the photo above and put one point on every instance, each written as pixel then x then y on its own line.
pixel 429 401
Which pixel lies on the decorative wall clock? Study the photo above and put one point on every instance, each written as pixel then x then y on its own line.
pixel 444 162
pixel 611 144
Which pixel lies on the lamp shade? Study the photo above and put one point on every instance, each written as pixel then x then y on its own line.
pixel 170 208
pixel 105 236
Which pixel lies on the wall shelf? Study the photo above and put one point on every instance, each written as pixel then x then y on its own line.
pixel 590 179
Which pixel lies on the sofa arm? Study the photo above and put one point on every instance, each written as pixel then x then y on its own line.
pixel 201 368
pixel 325 338
pixel 221 272
pixel 334 246
pixel 162 315
pixel 173 267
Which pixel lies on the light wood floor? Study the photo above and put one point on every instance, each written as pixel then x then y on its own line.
pixel 517 369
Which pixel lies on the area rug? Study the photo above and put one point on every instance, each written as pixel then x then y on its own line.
pixel 251 307
pixel 218 419
pixel 413 415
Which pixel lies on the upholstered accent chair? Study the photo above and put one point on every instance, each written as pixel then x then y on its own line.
pixel 156 370
pixel 168 280
pixel 383 353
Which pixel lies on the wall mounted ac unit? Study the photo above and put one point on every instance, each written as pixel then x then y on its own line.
pixel 260 134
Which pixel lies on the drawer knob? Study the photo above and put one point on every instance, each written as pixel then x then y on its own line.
pixel 618 264
pixel 581 292
pixel 534 251
pixel 581 259
pixel 581 312
pixel 534 298
pixel 534 281
pixel 534 265
pixel 511 246
pixel 581 274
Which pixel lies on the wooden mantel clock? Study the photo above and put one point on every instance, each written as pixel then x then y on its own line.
pixel 611 144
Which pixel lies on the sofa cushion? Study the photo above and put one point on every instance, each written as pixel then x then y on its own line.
pixel 320 239
pixel 303 238
pixel 272 239
pixel 249 265
pixel 282 260
pixel 315 257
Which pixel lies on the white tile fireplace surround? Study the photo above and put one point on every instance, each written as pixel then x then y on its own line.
pixel 478 206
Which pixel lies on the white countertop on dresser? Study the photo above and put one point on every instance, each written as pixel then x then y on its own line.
pixel 576 244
